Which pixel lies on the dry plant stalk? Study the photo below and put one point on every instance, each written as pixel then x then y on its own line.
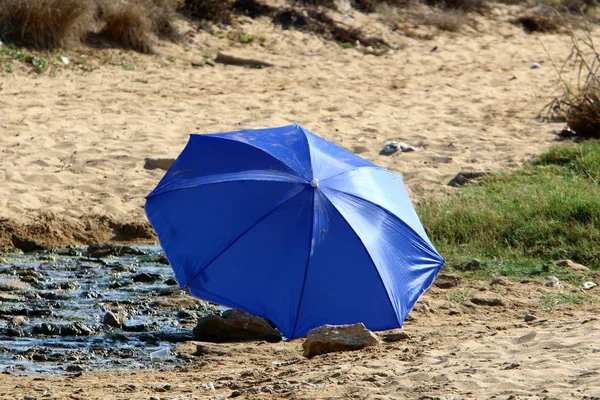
pixel 579 103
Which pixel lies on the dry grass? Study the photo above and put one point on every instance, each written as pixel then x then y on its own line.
pixel 479 6
pixel 541 19
pixel 579 103
pixel 47 23
pixel 445 20
pixel 66 23
pixel 210 10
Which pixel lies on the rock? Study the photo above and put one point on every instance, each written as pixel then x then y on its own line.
pixel 466 177
pixel 111 319
pixel 166 336
pixel 76 329
pixel 145 277
pixel 572 265
pixel 472 265
pixel 15 331
pixel 554 282
pixel 342 6
pixel 235 325
pixel 18 320
pixel 136 327
pixel 529 317
pixel 446 281
pixel 503 281
pixel 487 301
pixel 333 338
pixel 360 149
pixel 535 65
pixel 210 350
pixel 158 163
pixel 422 307
pixel 395 336
pixel 74 368
pixel 171 282
pixel 185 314
pixel 101 250
pixel 588 285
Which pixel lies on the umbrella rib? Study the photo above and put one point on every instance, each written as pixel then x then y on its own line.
pixel 422 242
pixel 350 170
pixel 299 174
pixel 258 221
pixel 310 249
pixel 223 178
pixel 369 255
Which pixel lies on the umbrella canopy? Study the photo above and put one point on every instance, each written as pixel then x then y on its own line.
pixel 288 226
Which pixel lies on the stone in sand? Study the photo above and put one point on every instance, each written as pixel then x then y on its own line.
pixel 333 338
pixel 571 265
pixel 235 325
pixel 111 319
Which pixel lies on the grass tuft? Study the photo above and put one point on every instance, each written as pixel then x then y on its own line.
pixel 46 23
pixel 579 103
pixel 51 24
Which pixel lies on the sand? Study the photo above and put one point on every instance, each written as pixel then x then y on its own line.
pixel 455 351
pixel 72 171
pixel 73 144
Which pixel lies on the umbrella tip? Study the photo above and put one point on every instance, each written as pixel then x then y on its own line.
pixel 314 183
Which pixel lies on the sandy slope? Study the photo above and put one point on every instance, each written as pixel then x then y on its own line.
pixel 73 145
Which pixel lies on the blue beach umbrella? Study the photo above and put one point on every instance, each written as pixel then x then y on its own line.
pixel 288 226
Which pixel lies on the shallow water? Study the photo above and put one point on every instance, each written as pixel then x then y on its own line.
pixel 72 293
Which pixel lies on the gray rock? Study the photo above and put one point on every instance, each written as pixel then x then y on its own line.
pixel 554 282
pixel 111 319
pixel 472 265
pixel 502 281
pixel 466 177
pixel 447 281
pixel 487 301
pixel 588 285
pixel 572 265
pixel 145 277
pixel 235 325
pixel 158 163
pixel 529 317
pixel 210 350
pixel 395 336
pixel 333 338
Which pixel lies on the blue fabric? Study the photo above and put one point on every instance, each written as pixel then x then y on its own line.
pixel 288 226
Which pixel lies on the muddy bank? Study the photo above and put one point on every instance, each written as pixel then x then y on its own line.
pixel 48 231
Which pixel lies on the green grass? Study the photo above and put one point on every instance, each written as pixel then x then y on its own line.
pixel 519 223
pixel 556 300
pixel 8 54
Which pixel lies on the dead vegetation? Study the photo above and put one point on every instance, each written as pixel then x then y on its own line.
pixel 51 24
pixel 579 102
pixel 541 19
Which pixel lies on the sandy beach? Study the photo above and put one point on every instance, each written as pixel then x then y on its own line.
pixel 72 171
pixel 74 144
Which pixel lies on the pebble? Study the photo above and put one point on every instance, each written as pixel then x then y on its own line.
pixel 111 319
pixel 535 65
pixel 529 317
pixel 554 282
pixel 487 301
pixel 503 281
pixel 589 285
pixel 396 337
pixel 571 265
